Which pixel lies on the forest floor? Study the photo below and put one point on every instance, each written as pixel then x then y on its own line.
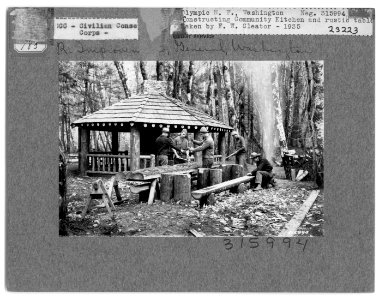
pixel 263 213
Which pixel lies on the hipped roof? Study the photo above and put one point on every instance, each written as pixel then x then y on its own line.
pixel 152 108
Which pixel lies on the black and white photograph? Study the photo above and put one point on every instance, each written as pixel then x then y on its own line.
pixel 191 148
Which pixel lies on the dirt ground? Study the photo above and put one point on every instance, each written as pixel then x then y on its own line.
pixel 252 213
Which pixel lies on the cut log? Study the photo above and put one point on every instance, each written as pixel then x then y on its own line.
pixel 202 178
pixel 291 227
pixel 218 188
pixel 152 192
pixel 167 187
pixel 182 188
pixel 156 172
pixel 236 172
pixel 215 176
pixel 226 171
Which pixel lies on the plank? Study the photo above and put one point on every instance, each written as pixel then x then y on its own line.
pixel 152 192
pixel 196 233
pixel 136 189
pixel 221 187
pixel 156 172
pixel 297 219
pixel 106 195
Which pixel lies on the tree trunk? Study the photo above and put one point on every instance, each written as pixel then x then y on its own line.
pixel 229 96
pixel 211 92
pixel 189 83
pixel 160 70
pixel 123 77
pixel 277 106
pixel 142 65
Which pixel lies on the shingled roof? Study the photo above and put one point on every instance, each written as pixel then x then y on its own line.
pixel 152 108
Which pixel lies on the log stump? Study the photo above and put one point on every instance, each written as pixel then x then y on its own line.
pixel 236 171
pixel 226 171
pixel 202 178
pixel 167 187
pixel 182 188
pixel 215 176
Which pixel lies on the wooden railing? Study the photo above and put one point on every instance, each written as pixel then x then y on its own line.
pixel 217 159
pixel 110 163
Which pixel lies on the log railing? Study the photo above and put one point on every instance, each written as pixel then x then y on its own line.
pixel 110 163
pixel 217 159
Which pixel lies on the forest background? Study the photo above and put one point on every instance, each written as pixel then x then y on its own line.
pixel 269 103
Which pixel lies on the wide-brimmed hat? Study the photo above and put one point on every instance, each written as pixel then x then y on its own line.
pixel 254 155
pixel 234 132
pixel 165 129
pixel 203 130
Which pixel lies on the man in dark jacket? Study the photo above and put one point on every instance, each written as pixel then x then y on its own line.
pixel 263 172
pixel 206 147
pixel 163 144
pixel 240 152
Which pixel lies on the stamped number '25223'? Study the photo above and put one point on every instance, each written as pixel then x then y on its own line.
pixel 337 29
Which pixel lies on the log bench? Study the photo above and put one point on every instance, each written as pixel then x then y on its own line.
pixel 207 194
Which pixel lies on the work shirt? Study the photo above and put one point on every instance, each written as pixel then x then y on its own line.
pixel 163 144
pixel 264 165
pixel 240 145
pixel 207 147
pixel 181 143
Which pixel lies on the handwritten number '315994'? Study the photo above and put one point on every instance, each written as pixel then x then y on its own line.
pixel 270 242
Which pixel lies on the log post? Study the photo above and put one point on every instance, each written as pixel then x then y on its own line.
pixel 152 160
pixel 222 143
pixel 198 155
pixel 182 187
pixel 84 139
pixel 215 176
pixel 114 142
pixel 134 148
pixel 167 187
pixel 202 178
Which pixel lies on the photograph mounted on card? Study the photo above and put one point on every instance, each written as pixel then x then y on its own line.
pixel 228 143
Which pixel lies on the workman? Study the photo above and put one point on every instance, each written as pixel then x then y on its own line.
pixel 181 141
pixel 163 144
pixel 240 151
pixel 206 146
pixel 263 172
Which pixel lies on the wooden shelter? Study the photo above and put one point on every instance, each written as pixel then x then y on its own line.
pixel 143 115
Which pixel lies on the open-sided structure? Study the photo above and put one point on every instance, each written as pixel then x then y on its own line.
pixel 143 115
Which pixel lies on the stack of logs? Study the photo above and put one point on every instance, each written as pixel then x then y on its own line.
pixel 177 185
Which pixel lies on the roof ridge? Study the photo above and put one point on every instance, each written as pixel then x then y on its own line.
pixel 139 109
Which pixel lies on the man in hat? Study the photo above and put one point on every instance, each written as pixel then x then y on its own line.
pixel 263 172
pixel 206 146
pixel 163 144
pixel 181 142
pixel 240 152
